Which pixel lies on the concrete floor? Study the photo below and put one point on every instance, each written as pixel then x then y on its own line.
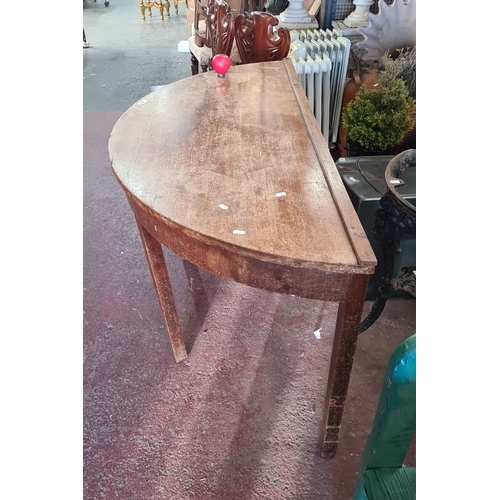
pixel 239 419
pixel 128 56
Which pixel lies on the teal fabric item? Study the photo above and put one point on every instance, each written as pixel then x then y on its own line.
pixel 399 483
pixel 382 474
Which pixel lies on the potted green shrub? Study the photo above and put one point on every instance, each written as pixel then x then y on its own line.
pixel 378 118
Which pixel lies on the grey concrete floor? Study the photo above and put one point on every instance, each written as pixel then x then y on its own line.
pixel 127 56
pixel 239 419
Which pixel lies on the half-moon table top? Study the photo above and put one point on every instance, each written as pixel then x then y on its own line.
pixel 240 163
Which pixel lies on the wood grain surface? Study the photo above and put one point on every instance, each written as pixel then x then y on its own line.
pixel 233 175
pixel 186 149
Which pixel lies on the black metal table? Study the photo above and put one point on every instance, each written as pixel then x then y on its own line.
pixel 395 218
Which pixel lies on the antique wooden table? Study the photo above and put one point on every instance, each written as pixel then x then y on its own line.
pixel 233 175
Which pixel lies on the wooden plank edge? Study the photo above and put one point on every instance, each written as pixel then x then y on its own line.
pixel 352 225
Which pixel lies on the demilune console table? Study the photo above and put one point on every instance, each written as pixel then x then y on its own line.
pixel 233 175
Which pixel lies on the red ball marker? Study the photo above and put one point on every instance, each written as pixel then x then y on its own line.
pixel 221 64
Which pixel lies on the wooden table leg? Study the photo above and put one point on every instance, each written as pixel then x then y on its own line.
pixel 344 345
pixel 158 268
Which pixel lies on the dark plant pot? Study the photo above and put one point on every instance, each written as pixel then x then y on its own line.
pixel 355 150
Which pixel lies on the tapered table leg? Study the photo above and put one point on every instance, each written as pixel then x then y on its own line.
pixel 158 268
pixel 344 346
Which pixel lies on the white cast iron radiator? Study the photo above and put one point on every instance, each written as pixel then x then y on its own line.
pixel 320 59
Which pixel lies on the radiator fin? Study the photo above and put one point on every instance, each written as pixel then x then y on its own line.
pixel 320 59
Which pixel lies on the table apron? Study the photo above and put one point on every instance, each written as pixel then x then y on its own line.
pixel 273 277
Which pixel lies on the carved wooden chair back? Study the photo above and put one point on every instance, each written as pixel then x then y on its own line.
pixel 201 10
pixel 213 32
pixel 256 39
pixel 220 28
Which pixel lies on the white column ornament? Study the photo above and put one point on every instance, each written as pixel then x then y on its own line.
pixel 357 18
pixel 295 16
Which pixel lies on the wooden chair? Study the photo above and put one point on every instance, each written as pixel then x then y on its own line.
pixel 382 475
pixel 256 39
pixel 213 32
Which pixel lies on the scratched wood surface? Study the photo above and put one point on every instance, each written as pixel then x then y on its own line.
pixel 190 149
pixel 202 161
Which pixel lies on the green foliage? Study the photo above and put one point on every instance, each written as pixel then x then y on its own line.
pixel 378 118
pixel 404 66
